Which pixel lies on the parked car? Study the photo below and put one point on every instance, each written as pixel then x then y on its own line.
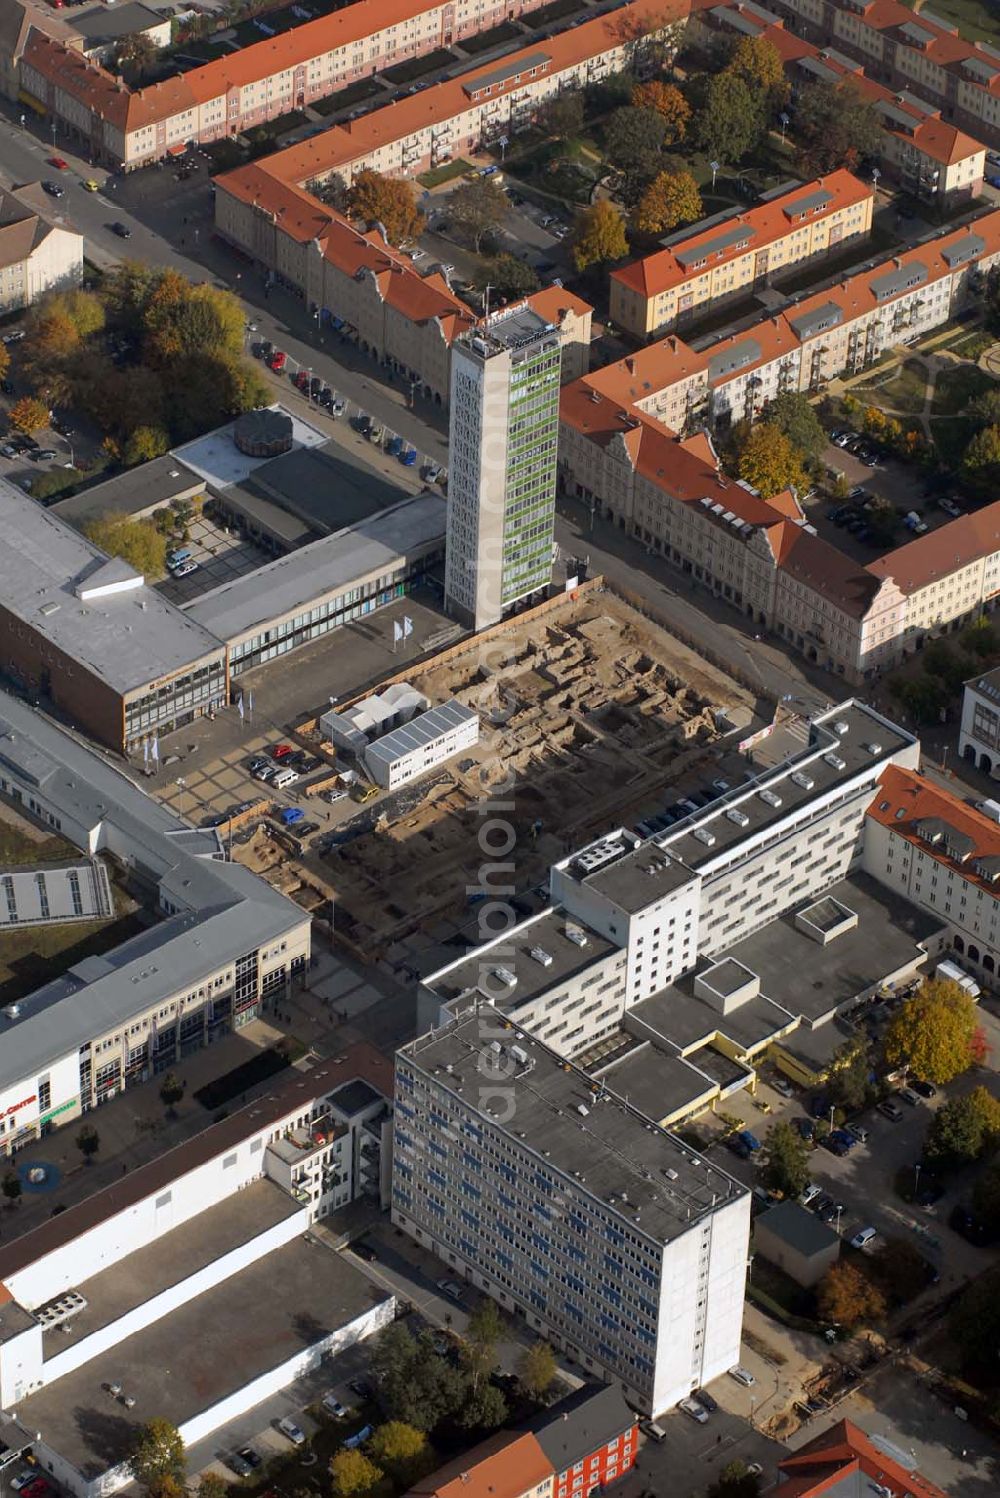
pixel 278 360
pixel 450 1288
pixel 338 406
pixel 925 1089
pixel 706 1400
pixel 694 1410
pixel 301 380
pixel 289 815
pixel 53 189
pixel 821 1203
pixel 890 1110
pixel 45 455
pixel 863 1238
pixel 832 1212
pixel 185 569
pixel 26 1475
pixel 858 1132
pixel 909 1096
pixel 408 457
pixel 362 1387
pixel 738 1147
pixel 90 185
pixel 742 1376
pixel 949 506
pixel 122 230
pixel 282 751
pixel 394 446
pixel 333 1407
pixel 14 336
pixel 294 1432
pixel 806 1129
pixel 810 1194
pixel 256 764
pixel 252 1458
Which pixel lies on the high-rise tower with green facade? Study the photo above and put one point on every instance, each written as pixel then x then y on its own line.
pixel 502 464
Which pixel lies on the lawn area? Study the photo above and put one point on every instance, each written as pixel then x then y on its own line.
pixel 505 32
pixel 903 387
pixel 416 67
pixel 979 20
pixel 968 343
pixel 17 848
pixel 559 169
pixel 446 173
pixel 956 387
pixel 354 93
pixel 554 12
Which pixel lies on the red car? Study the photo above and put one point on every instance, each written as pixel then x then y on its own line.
pixel 278 359
pixel 301 380
pixel 281 751
pixel 58 163
pixel 36 1488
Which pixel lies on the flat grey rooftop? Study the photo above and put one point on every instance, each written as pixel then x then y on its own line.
pixel 657 1083
pixel 678 1015
pixel 640 873
pixel 327 488
pixel 812 980
pixel 219 461
pixel 513 68
pixel 127 638
pixel 801 1230
pixel 101 25
pixel 202 1353
pixel 173 1258
pixel 148 487
pixel 322 569
pixel 610 1149
pixel 420 731
pixel 867 738
pixel 543 933
pixel 224 908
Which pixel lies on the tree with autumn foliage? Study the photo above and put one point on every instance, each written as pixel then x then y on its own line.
pixel 769 461
pixel 933 1034
pixel 758 62
pixel 599 235
pixel 666 100
pixel 671 198
pixel 847 1297
pixel 28 415
pixel 388 201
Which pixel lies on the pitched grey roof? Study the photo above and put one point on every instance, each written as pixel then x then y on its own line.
pixel 800 1229
pixel 584 1422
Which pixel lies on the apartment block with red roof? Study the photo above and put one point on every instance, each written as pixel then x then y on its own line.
pixel 355 280
pixel 734 254
pixel 919 53
pixel 844 1461
pixel 126 127
pixel 925 154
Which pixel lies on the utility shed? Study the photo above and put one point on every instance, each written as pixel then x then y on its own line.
pixel 796 1242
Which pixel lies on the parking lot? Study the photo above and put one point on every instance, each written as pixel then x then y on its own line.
pixel 900 484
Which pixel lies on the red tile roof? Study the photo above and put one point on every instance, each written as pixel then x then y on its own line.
pixel 554 302
pixel 842 1451
pixel 824 569
pixel 505 1466
pixel 927 559
pixel 342 144
pixel 765 223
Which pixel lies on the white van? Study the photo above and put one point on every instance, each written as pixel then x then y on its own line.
pixel 284 779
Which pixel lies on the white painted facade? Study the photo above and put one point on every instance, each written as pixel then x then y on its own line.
pixel 979 732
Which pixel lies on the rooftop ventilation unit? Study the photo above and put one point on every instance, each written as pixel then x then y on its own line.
pixel 576 936
pixel 800 778
pixel 541 956
pixel 505 976
pixel 771 797
pixel 671 1174
pixel 582 1109
pixel 874 748
pixel 739 817
pixel 841 727
pixel 600 854
pixel 704 836
pixel 834 761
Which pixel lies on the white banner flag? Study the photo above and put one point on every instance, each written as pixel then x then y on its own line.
pixel 407 626
pixel 155 750
pixel 397 631
pixel 240 706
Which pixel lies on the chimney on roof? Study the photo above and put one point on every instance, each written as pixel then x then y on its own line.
pixel 898 262
pixel 630 364
pixel 673 343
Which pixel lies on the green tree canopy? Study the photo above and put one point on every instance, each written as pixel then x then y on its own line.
pixel 758 63
pixel 900 1269
pixel 212 1485
pixel 786 1161
pixel 735 1481
pixel 729 117
pixel 795 415
pixel 157 1456
pixel 484 1408
pixel 562 117
pixel 633 140
pixel 963 1129
pixel 509 276
pixel 599 235
pixel 416 1385
pixel 975 1329
pixel 478 208
pixel 537 1370
pixel 88 1142
pixel 835 126
pixel 934 1032
pixel 137 542
pixel 850 1084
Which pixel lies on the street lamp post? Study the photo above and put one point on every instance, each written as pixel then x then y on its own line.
pixel 916 1179
pixel 53 132
pixel 715 170
pixel 876 174
pixel 785 122
pixel 839 1210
